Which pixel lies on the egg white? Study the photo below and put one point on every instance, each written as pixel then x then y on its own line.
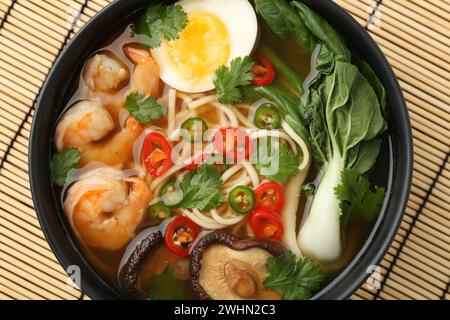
pixel 238 16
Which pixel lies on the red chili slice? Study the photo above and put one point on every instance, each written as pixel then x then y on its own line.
pixel 234 143
pixel 180 235
pixel 266 224
pixel 263 71
pixel 157 154
pixel 270 195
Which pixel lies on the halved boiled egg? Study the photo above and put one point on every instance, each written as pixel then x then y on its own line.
pixel 217 32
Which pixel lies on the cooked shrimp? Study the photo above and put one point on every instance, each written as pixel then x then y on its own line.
pixel 104 72
pixel 85 122
pixel 116 150
pixel 102 212
pixel 146 77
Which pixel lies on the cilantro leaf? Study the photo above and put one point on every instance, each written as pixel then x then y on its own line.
pixel 165 286
pixel 201 189
pixel 229 80
pixel 278 164
pixel 160 21
pixel 294 279
pixel 62 163
pixel 174 21
pixel 356 198
pixel 143 109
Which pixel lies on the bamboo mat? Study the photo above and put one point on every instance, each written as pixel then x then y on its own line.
pixel 413 34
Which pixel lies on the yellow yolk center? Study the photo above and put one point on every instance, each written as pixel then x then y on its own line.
pixel 202 47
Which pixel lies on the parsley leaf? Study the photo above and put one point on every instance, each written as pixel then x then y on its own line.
pixel 165 286
pixel 294 279
pixel 278 164
pixel 160 21
pixel 356 198
pixel 62 163
pixel 201 189
pixel 143 109
pixel 229 80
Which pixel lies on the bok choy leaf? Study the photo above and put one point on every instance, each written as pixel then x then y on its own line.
pixel 344 119
pixel 323 31
pixel 285 22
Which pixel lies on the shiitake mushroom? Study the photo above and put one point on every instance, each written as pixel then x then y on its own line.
pixel 137 251
pixel 224 267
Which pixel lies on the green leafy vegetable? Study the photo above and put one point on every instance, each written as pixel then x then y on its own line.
pixel 344 119
pixel 294 279
pixel 356 198
pixel 166 286
pixel 363 156
pixel 375 82
pixel 293 79
pixel 278 164
pixel 62 163
pixel 201 189
pixel 285 22
pixel 142 108
pixel 323 31
pixel 161 21
pixel 325 60
pixel 314 114
pixel 350 101
pixel 343 97
pixel 230 80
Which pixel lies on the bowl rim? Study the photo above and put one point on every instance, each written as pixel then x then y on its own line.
pixel 399 185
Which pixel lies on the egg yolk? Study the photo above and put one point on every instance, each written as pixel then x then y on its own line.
pixel 202 47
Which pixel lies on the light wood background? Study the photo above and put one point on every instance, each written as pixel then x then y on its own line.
pixel 413 34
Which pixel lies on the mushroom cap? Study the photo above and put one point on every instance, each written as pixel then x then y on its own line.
pixel 137 250
pixel 211 254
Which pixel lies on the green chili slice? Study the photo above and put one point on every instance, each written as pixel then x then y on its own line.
pixel 196 127
pixel 158 212
pixel 267 117
pixel 242 199
pixel 170 194
pixel 310 189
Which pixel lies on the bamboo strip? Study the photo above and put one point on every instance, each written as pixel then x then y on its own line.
pixel 411 30
pixel 441 10
pixel 412 51
pixel 419 14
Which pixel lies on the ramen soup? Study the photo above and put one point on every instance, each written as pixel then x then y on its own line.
pixel 223 149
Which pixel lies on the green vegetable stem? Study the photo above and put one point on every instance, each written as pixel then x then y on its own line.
pixel 292 78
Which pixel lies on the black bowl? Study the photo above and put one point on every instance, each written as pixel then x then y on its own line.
pixel 59 86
